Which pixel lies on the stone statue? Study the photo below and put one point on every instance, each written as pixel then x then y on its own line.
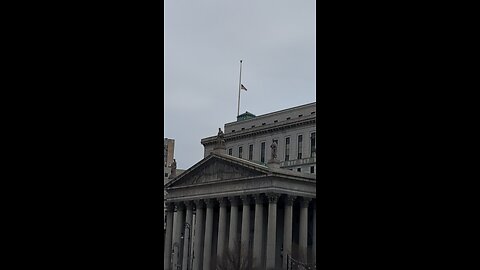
pixel 274 150
pixel 220 139
pixel 220 133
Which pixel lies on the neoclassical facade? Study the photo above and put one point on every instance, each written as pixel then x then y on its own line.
pixel 224 202
pixel 294 130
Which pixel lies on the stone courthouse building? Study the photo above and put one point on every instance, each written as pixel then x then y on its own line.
pixel 255 189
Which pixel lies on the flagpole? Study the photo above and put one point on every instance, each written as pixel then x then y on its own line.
pixel 239 85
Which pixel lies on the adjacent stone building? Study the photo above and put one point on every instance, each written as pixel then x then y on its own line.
pixel 293 129
pixel 260 204
pixel 169 165
pixel 168 151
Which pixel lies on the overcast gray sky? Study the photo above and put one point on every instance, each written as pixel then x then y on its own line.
pixel 204 42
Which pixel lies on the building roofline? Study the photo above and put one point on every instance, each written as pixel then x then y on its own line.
pixel 272 113
pixel 261 129
pixel 246 163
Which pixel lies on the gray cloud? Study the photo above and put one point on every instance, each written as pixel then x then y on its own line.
pixel 204 41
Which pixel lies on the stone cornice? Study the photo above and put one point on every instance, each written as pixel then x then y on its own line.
pixel 307 120
pixel 280 112
pixel 253 193
pixel 239 180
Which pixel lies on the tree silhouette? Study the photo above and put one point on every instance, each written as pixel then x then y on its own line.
pixel 235 259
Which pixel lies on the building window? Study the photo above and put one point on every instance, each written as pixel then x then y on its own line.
pixel 250 152
pixel 299 169
pixel 263 124
pixel 275 121
pixel 300 115
pixel 233 130
pixel 230 151
pixel 300 138
pixel 312 145
pixel 240 149
pixel 262 152
pixel 287 149
pixel 288 118
pixel 312 169
pixel 166 175
pixel 253 126
pixel 243 128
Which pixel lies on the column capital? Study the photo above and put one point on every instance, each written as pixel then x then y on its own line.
pixel 234 201
pixel 169 207
pixel 189 205
pixel 199 204
pixel 259 198
pixel 305 201
pixel 245 199
pixel 289 199
pixel 210 203
pixel 179 206
pixel 272 197
pixel 222 201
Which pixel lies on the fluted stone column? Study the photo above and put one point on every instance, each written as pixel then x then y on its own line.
pixel 167 259
pixel 314 234
pixel 258 232
pixel 222 227
pixel 177 241
pixel 207 250
pixel 303 234
pixel 245 237
pixel 232 240
pixel 188 236
pixel 272 230
pixel 287 229
pixel 199 235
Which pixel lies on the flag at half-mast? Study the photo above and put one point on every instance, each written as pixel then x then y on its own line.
pixel 243 87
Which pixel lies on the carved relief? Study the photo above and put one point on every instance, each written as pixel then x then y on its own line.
pixel 169 207
pixel 257 183
pixel 289 199
pixel 217 170
pixel 245 199
pixel 210 203
pixel 222 201
pixel 199 204
pixel 272 197
pixel 251 184
pixel 189 205
pixel 234 201
pixel 304 202
pixel 179 206
pixel 258 198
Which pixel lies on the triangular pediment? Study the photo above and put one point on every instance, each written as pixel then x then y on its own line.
pixel 217 169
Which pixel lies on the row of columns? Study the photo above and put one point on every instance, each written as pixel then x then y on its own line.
pixel 204 227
